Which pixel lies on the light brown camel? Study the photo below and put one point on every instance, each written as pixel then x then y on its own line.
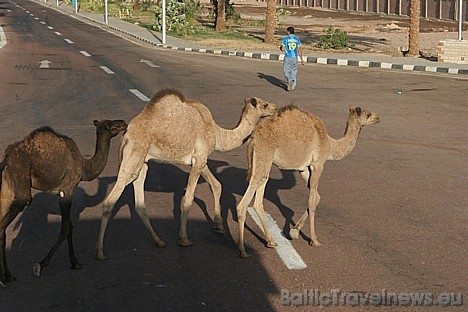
pixel 51 162
pixel 294 140
pixel 174 129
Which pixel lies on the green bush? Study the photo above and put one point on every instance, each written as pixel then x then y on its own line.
pixel 334 38
pixel 180 16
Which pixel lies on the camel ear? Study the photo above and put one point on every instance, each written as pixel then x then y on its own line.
pixel 358 111
pixel 96 123
pixel 253 101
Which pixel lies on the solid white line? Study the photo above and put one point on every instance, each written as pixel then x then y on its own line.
pixel 285 249
pixel 69 41
pixel 2 38
pixel 85 53
pixel 140 95
pixel 107 70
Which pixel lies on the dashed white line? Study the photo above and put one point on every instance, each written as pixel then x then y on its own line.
pixel 68 41
pixel 57 33
pixel 85 53
pixel 43 23
pixel 50 27
pixel 285 249
pixel 140 95
pixel 107 70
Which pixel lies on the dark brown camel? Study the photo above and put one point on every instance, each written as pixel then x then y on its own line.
pixel 50 162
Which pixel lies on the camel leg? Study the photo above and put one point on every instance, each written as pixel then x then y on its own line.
pixel 216 189
pixel 199 162
pixel 12 212
pixel 130 166
pixel 294 232
pixel 242 214
pixel 66 231
pixel 314 199
pixel 140 207
pixel 258 205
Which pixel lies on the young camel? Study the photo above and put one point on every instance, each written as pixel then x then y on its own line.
pixel 174 129
pixel 48 161
pixel 294 140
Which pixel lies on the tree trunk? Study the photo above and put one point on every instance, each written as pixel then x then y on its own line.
pixel 135 5
pixel 221 16
pixel 270 21
pixel 415 12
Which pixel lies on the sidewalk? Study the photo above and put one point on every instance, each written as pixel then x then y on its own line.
pixel 360 60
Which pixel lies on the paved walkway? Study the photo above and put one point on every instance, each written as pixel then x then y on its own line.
pixel 361 60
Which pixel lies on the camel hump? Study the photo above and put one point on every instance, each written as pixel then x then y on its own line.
pixel 287 108
pixel 167 92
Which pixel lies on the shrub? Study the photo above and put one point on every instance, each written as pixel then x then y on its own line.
pixel 334 38
pixel 180 16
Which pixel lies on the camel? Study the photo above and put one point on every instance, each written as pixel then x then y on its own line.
pixel 177 130
pixel 294 140
pixel 50 162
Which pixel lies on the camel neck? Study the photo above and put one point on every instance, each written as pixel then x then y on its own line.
pixel 93 166
pixel 342 147
pixel 227 140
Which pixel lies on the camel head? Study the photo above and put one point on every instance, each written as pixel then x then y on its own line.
pixel 113 127
pixel 263 108
pixel 363 117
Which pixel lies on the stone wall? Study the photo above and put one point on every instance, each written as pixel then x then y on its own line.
pixel 453 51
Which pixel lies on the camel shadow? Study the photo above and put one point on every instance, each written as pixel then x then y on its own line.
pixel 273 80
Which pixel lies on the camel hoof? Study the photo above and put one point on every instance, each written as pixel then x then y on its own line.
pixel 37 269
pixel 243 254
pixel 76 266
pixel 185 243
pixel 161 244
pixel 2 284
pixel 100 256
pixel 272 244
pixel 294 233
pixel 316 244
pixel 219 230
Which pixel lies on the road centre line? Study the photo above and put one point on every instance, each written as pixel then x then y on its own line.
pixel 57 33
pixel 50 27
pixel 68 41
pixel 107 70
pixel 285 249
pixel 85 53
pixel 140 95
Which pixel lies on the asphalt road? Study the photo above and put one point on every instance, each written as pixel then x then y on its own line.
pixel 393 214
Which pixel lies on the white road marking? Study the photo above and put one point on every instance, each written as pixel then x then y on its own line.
pixel 85 53
pixel 69 41
pixel 44 64
pixel 285 249
pixel 3 40
pixel 140 95
pixel 50 27
pixel 57 33
pixel 107 70
pixel 43 23
pixel 149 63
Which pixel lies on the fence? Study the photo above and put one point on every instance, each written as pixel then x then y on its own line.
pixel 439 9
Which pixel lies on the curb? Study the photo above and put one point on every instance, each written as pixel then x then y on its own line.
pixel 3 41
pixel 308 59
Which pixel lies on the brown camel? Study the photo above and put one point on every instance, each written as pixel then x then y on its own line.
pixel 294 140
pixel 174 129
pixel 50 162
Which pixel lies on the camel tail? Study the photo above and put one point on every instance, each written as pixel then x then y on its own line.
pixel 250 151
pixel 2 166
pixel 123 143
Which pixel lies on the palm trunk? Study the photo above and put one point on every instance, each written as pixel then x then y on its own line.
pixel 270 21
pixel 415 11
pixel 221 16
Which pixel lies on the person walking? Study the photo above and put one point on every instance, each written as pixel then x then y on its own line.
pixel 291 45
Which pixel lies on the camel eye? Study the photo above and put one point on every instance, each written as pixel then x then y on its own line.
pixel 265 105
pixel 368 114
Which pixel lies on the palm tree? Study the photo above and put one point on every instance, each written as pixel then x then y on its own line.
pixel 270 21
pixel 415 12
